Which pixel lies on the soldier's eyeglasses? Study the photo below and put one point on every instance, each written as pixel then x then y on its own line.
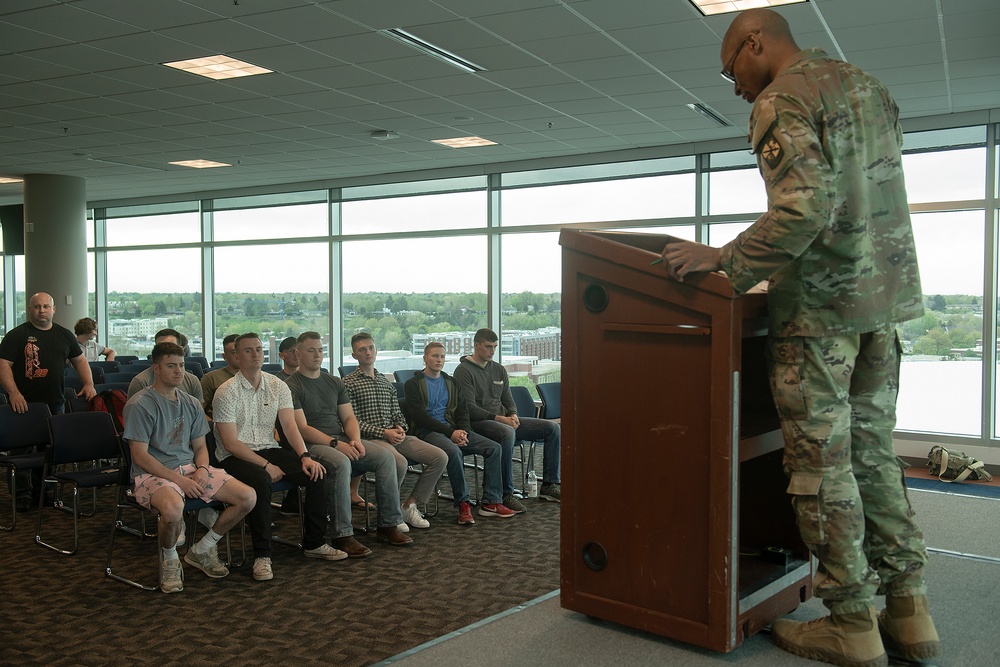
pixel 727 71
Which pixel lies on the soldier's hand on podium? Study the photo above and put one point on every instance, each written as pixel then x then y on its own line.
pixel 684 257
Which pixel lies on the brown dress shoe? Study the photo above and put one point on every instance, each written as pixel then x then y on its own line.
pixel 351 546
pixel 393 536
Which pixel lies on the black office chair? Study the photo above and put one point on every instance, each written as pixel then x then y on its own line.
pixel 105 366
pixel 404 375
pixel 551 395
pixel 118 377
pixel 525 404
pixel 346 369
pixel 23 438
pixel 77 438
pixel 200 361
pixel 125 500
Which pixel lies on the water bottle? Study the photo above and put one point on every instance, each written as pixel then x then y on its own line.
pixel 532 484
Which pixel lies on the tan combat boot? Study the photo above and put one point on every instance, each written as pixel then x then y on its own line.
pixel 848 640
pixel 907 628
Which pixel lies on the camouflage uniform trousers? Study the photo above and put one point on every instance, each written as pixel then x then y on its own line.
pixel 836 397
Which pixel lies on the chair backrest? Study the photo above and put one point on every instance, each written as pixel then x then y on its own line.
pixel 271 368
pixel 26 430
pixel 118 377
pixel 126 359
pixel 347 369
pixel 73 382
pixel 74 403
pixel 106 366
pixel 107 386
pixel 196 370
pixel 400 392
pixel 201 361
pixel 82 436
pixel 218 363
pixel 406 374
pixel 141 364
pixel 523 400
pixel 551 395
pixel 96 374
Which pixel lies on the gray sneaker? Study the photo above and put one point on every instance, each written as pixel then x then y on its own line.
pixel 326 552
pixel 262 569
pixel 549 492
pixel 207 562
pixel 171 575
pixel 511 502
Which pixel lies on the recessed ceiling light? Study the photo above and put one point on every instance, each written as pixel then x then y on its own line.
pixel 201 164
pixel 218 67
pixel 465 142
pixel 7 179
pixel 710 7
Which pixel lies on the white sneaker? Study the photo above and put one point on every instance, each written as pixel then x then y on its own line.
pixel 412 516
pixel 171 576
pixel 403 528
pixel 181 539
pixel 207 516
pixel 326 552
pixel 262 569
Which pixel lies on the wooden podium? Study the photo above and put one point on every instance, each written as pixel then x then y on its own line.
pixel 674 514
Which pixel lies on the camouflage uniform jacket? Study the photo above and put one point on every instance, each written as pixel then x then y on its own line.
pixel 836 240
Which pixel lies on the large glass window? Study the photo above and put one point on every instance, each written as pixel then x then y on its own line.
pixel 453 210
pixel 530 308
pixel 263 218
pixel 667 196
pixel 408 292
pixel 941 374
pixel 165 229
pixel 274 290
pixel 149 290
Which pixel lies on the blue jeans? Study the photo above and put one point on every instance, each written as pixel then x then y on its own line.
pixel 340 469
pixel 488 449
pixel 530 429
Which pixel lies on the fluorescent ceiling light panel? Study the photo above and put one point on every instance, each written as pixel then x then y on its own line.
pixel 7 179
pixel 710 7
pixel 201 164
pixel 433 50
pixel 465 142
pixel 218 67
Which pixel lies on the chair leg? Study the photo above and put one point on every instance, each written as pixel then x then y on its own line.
pixel 12 485
pixel 116 525
pixel 76 520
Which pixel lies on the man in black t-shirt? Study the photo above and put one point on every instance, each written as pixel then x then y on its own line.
pixel 33 359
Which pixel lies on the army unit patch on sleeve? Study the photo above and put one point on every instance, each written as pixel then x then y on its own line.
pixel 771 151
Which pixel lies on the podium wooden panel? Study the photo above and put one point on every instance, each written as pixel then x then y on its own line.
pixel 671 461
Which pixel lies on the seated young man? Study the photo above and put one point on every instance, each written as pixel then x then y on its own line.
pixel 86 333
pixel 493 413
pixel 441 418
pixel 246 409
pixel 166 429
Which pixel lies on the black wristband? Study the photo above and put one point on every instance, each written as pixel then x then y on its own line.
pixel 205 467
pixel 305 454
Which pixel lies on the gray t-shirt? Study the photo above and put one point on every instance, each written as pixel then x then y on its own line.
pixel 168 427
pixel 318 399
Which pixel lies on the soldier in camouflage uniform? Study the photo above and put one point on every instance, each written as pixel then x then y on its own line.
pixel 837 247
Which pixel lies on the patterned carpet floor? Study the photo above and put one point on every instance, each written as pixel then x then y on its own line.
pixel 62 610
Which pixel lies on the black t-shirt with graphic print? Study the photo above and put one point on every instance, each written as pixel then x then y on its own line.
pixel 39 360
